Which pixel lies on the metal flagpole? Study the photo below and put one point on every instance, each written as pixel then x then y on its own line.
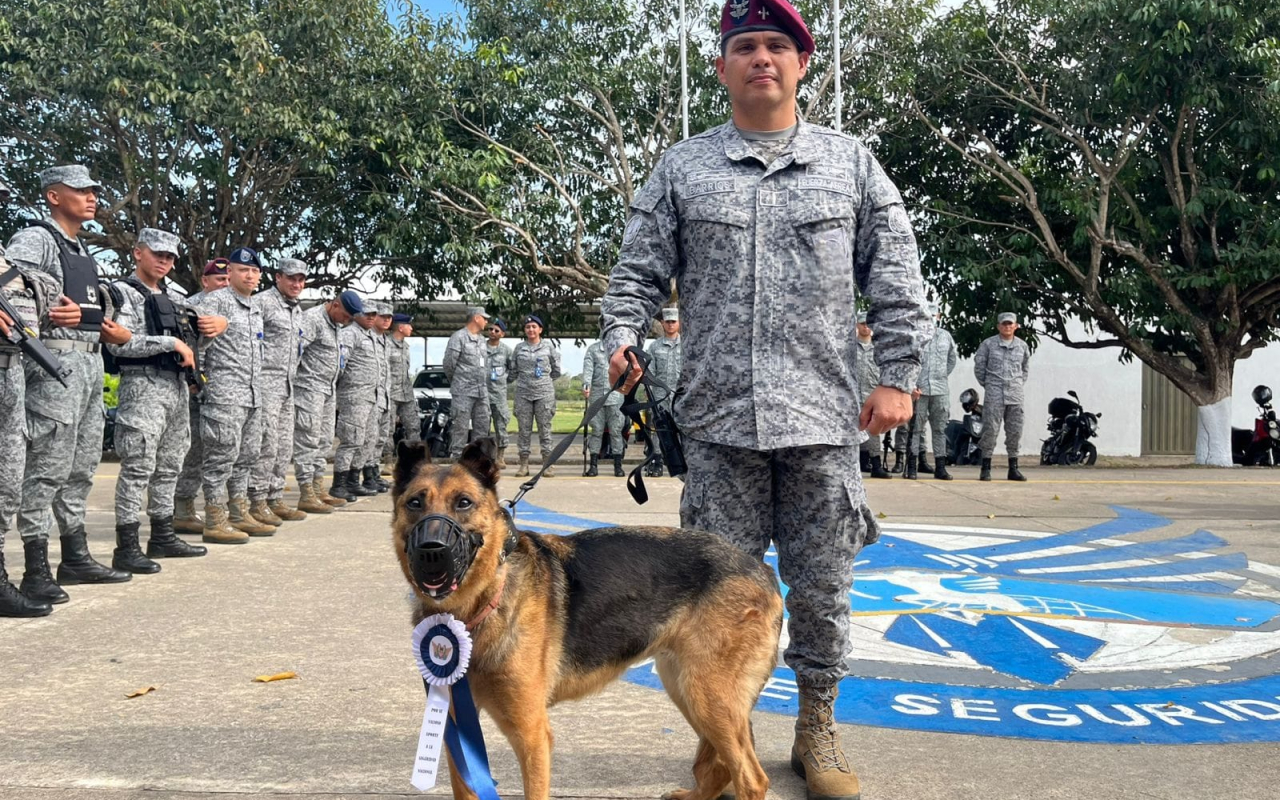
pixel 684 75
pixel 835 41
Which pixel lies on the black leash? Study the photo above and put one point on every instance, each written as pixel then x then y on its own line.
pixel 664 429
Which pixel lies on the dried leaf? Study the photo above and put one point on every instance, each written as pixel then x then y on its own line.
pixel 881 515
pixel 279 676
pixel 1170 704
pixel 991 516
pixel 140 692
pixel 1055 497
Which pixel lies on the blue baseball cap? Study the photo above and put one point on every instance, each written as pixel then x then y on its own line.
pixel 401 319
pixel 245 255
pixel 533 318
pixel 497 321
pixel 351 302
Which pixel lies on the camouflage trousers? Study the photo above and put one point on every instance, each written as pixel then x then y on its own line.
pixel 934 409
pixel 189 478
pixel 64 427
pixel 809 502
pixel 232 438
pixel 993 415
pixel 354 418
pixel 500 415
pixel 313 426
pixel 610 417
pixel 13 442
pixel 153 432
pixel 527 411
pixel 379 433
pixel 469 417
pixel 874 445
pixel 410 425
pixel 275 451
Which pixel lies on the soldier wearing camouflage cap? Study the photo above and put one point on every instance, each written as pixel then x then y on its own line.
pixel 64 423
pixel 466 363
pixel 282 347
pixel 380 427
pixel 772 227
pixel 1001 366
pixel 534 366
pixel 357 402
pixel 405 407
pixel 498 356
pixel 668 360
pixel 934 403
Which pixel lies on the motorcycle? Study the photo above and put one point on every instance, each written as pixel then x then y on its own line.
pixel 964 435
pixel 1070 429
pixel 1261 446
pixel 435 426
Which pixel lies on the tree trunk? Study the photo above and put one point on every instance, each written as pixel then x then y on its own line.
pixel 1213 433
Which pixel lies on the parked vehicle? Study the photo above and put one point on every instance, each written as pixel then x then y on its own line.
pixel 964 435
pixel 431 391
pixel 1070 429
pixel 1261 446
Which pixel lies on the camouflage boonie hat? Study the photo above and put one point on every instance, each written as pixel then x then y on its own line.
pixel 158 241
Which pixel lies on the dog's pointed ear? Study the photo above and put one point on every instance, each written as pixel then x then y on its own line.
pixel 481 457
pixel 409 456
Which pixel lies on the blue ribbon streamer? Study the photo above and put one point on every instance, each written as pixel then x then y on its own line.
pixel 465 740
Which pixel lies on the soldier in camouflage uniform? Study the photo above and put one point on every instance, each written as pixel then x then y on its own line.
pixel 934 403
pixel 498 355
pixel 152 423
pixel 1001 366
pixel 668 360
pixel 231 405
pixel 595 379
pixel 868 374
pixel 380 425
pixel 357 402
pixel 466 363
pixel 34 296
pixel 64 423
pixel 772 227
pixel 406 408
pixel 534 366
pixel 282 346
pixel 314 397
pixel 185 518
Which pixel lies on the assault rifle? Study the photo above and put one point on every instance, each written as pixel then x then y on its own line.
pixel 29 342
pixel 189 322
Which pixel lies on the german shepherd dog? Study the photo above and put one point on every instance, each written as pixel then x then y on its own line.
pixel 558 617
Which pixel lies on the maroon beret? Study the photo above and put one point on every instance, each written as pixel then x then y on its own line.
pixel 741 16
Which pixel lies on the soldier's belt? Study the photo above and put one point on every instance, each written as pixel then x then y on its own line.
pixel 10 359
pixel 143 370
pixel 70 344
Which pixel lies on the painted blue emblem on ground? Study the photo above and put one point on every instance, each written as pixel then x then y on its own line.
pixel 1081 636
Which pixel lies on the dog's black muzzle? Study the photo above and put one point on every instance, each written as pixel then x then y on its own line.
pixel 440 553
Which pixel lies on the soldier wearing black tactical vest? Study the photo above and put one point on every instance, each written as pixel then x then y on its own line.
pixel 64 424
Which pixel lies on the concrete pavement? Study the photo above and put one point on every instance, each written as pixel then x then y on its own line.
pixel 324 598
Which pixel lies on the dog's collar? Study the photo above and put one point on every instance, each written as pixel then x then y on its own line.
pixel 489 609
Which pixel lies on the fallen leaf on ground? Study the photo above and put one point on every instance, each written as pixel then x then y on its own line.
pixel 140 692
pixel 1055 497
pixel 279 676
pixel 881 515
pixel 991 516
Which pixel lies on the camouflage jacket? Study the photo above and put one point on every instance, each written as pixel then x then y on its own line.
pixel 533 369
pixel 1001 367
pixel 232 362
pixel 668 360
pixel 360 370
pixel 466 362
pixel 321 357
pixel 595 375
pixel 769 262
pixel 499 357
pixel 33 250
pixel 398 363
pixel 282 329
pixel 937 362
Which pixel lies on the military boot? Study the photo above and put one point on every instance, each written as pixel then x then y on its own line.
pixel 1014 473
pixel 216 530
pixel 77 566
pixel 940 471
pixel 369 480
pixel 985 475
pixel 897 462
pixel 37 579
pixel 618 471
pixel 339 488
pixel 14 603
pixel 816 755
pixel 128 553
pixel 238 517
pixel 877 468
pixel 185 519
pixel 282 510
pixel 259 511
pixel 354 486
pixel 522 471
pixel 909 469
pixel 654 470
pixel 164 543
pixel 502 457
pixel 922 465
pixel 310 502
pixel 550 471
pixel 593 468
pixel 317 486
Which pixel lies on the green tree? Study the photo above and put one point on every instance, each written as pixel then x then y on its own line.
pixel 283 125
pixel 1112 161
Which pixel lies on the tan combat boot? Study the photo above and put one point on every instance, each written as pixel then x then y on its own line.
pixel 522 471
pixel 550 471
pixel 502 458
pixel 239 517
pixel 278 507
pixel 333 502
pixel 215 528
pixel 816 755
pixel 259 511
pixel 185 519
pixel 310 503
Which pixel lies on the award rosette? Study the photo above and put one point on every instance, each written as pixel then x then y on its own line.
pixel 442 651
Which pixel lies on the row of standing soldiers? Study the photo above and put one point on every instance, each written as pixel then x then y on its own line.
pixel 218 391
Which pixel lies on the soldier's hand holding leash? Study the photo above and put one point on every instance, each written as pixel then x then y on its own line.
pixel 619 363
pixel 211 326
pixel 66 315
pixel 885 409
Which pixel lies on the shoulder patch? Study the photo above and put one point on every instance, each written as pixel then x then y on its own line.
pixel 633 230
pixel 899 222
